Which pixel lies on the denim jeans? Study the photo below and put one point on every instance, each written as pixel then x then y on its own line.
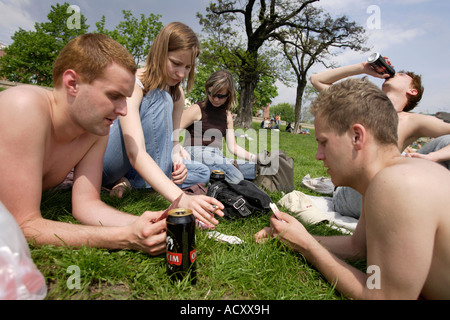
pixel 436 145
pixel 215 160
pixel 156 120
pixel 347 202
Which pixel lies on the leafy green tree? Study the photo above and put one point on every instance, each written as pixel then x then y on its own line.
pixel 135 35
pixel 258 22
pixel 215 55
pixel 29 59
pixel 285 110
pixel 265 92
pixel 319 38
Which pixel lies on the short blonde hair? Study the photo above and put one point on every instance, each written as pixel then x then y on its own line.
pixel 174 36
pixel 357 101
pixel 89 55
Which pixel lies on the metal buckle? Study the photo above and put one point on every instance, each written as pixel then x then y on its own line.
pixel 239 204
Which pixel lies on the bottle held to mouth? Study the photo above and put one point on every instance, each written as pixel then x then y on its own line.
pixel 379 64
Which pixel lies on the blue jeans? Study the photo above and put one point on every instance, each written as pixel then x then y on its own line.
pixel 215 160
pixel 156 119
pixel 347 202
pixel 436 145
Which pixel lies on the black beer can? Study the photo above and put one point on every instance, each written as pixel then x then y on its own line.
pixel 181 252
pixel 216 175
pixel 380 65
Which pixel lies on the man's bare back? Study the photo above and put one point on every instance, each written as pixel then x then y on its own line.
pixel 414 221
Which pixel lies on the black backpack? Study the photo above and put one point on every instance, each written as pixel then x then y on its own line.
pixel 240 200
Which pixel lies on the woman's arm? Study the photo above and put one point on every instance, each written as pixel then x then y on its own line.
pixel 190 115
pixel 149 170
pixel 232 144
pixel 141 161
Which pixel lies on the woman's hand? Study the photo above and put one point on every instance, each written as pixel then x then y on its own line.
pixel 179 173
pixel 203 208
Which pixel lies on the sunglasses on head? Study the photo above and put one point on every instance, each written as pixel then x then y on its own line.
pixel 219 96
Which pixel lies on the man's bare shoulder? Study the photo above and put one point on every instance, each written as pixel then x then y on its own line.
pixel 25 115
pixel 423 124
pixel 25 100
pixel 411 180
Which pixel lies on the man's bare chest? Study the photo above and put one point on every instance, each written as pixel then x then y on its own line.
pixel 60 158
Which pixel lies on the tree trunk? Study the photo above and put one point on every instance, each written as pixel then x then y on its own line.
pixel 248 82
pixel 298 104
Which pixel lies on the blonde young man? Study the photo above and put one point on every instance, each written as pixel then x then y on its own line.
pixel 405 91
pixel 404 229
pixel 47 133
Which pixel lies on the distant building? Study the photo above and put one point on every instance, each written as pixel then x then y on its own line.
pixel 2 46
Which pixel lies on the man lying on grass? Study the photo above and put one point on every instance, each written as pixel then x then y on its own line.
pixel 404 229
pixel 47 133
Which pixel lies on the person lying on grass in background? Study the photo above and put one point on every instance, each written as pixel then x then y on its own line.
pixel 404 229
pixel 141 148
pixel 47 133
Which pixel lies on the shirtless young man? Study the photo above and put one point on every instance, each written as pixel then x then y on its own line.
pixel 404 229
pixel 47 133
pixel 405 91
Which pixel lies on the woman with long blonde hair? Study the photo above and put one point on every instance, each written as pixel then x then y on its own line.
pixel 142 148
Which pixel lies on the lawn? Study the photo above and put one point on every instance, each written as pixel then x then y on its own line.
pixel 249 271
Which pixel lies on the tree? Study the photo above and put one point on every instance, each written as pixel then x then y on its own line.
pixel 261 20
pixel 215 56
pixel 285 110
pixel 313 43
pixel 264 93
pixel 29 59
pixel 135 35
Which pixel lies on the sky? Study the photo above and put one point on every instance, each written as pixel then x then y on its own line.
pixel 414 34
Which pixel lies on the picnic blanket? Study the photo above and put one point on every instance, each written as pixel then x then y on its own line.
pixel 314 210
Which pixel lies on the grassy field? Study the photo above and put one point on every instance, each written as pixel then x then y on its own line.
pixel 249 271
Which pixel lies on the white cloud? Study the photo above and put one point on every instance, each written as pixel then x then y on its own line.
pixel 409 2
pixel 12 17
pixel 348 7
pixel 389 37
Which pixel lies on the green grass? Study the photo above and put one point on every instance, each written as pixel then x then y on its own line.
pixel 269 271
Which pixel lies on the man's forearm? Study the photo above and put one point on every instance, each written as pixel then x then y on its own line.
pixel 348 280
pixel 341 246
pixel 43 231
pixel 325 79
pixel 98 213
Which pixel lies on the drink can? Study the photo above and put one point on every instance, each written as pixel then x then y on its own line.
pixel 216 175
pixel 380 65
pixel 181 253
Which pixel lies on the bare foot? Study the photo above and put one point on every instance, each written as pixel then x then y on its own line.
pixel 120 187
